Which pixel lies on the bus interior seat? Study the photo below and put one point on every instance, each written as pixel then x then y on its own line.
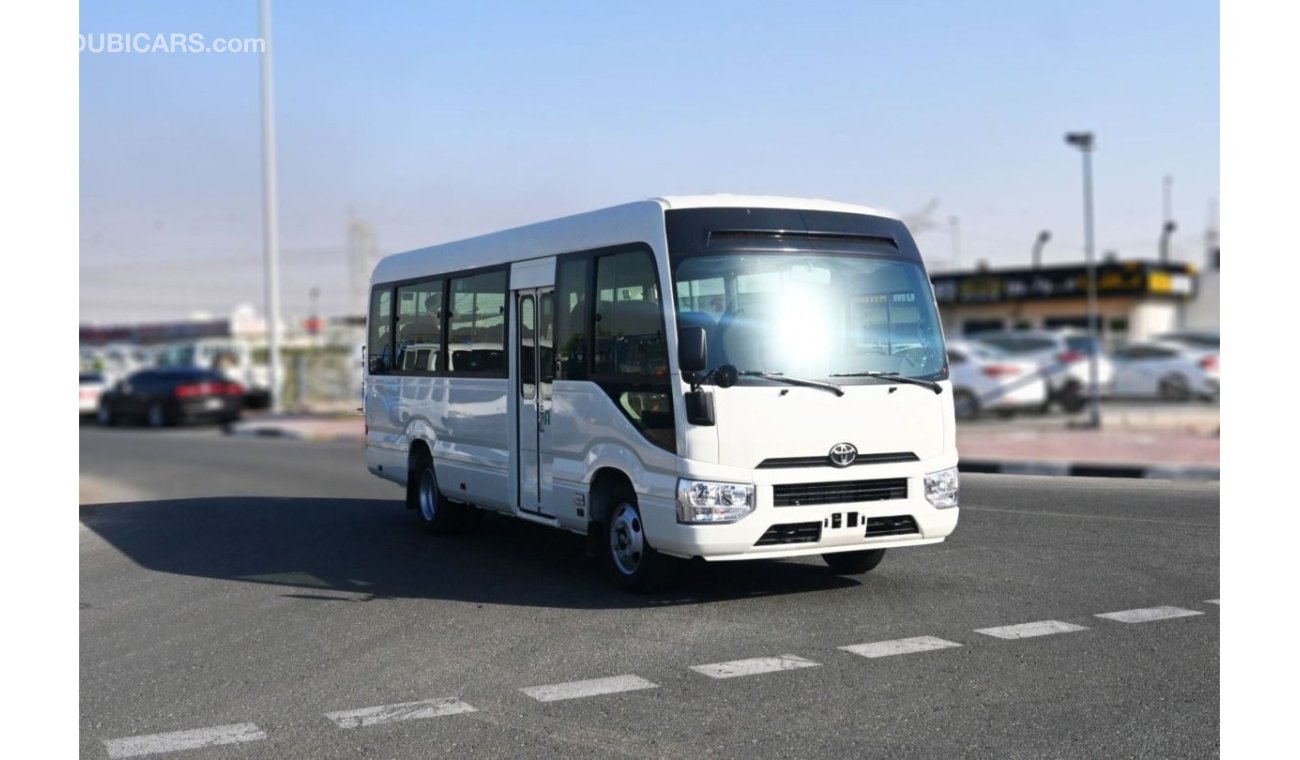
pixel 741 333
pixel 634 317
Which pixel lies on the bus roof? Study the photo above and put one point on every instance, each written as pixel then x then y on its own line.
pixel 639 220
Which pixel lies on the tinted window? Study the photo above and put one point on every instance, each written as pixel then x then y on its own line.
pixel 91 379
pixel 527 347
pixel 476 325
pixel 630 354
pixel 1000 341
pixel 419 326
pixel 956 357
pixel 546 341
pixel 629 318
pixel 1079 343
pixel 379 343
pixel 571 324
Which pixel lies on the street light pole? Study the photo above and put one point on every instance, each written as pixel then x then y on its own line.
pixel 270 215
pixel 1039 242
pixel 955 224
pixel 1085 141
pixel 1165 232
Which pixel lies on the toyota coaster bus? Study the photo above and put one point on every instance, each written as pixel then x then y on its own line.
pixel 724 377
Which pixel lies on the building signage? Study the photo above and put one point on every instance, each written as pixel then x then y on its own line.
pixel 1133 278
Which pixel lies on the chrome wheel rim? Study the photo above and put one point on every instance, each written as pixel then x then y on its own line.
pixel 156 415
pixel 626 539
pixel 102 414
pixel 428 496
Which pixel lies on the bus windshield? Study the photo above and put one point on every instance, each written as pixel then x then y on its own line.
pixel 813 315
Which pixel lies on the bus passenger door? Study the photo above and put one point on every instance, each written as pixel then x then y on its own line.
pixel 535 312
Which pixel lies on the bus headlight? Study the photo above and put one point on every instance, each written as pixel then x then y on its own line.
pixel 702 501
pixel 941 488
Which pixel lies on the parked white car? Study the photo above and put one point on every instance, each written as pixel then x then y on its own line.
pixel 1161 369
pixel 1196 341
pixel 985 378
pixel 92 387
pixel 1062 355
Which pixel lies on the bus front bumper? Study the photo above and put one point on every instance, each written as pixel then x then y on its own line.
pixel 772 531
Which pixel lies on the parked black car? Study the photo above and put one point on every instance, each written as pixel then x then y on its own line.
pixel 171 396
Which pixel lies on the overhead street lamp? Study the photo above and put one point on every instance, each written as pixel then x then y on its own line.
pixel 1168 229
pixel 1085 142
pixel 1039 242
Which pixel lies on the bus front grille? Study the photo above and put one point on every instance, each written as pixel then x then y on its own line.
pixel 896 525
pixel 823 460
pixel 792 533
pixel 838 492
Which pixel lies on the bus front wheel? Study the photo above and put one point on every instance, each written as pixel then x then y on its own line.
pixel 854 563
pixel 633 562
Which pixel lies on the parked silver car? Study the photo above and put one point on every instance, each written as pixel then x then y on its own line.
pixel 1062 356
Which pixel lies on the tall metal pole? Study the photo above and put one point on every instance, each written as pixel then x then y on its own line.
pixel 270 215
pixel 1084 141
pixel 1167 204
pixel 1170 227
pixel 955 224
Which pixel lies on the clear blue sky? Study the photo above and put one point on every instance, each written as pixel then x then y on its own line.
pixel 435 121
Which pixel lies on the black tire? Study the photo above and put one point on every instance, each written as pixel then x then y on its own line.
pixel 105 417
pixel 965 405
pixel 436 514
pixel 157 415
pixel 1071 397
pixel 632 563
pixel 1174 388
pixel 853 563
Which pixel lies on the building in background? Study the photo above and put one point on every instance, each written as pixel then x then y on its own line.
pixel 1135 299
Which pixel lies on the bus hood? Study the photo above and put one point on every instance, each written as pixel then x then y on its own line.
pixel 755 424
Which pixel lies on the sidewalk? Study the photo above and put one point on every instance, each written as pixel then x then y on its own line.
pixel 1118 450
pixel 307 427
pixel 1157 452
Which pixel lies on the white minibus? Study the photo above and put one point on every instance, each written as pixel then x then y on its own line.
pixel 721 377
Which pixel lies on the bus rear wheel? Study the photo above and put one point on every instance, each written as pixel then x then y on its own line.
pixel 437 515
pixel 854 563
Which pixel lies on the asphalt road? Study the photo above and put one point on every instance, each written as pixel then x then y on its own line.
pixel 244 590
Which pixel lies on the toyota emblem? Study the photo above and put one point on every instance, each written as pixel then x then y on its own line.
pixel 843 454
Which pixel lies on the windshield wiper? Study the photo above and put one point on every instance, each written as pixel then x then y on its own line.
pixel 832 387
pixel 895 376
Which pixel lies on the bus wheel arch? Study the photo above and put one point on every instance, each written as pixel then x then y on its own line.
pixel 615 533
pixel 435 512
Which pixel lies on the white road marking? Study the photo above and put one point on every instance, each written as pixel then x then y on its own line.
pixel 1029 630
pixel 1148 614
pixel 754 666
pixel 374 716
pixel 1211 601
pixel 596 686
pixel 900 646
pixel 151 744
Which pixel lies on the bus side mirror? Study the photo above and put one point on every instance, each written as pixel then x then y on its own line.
pixel 692 349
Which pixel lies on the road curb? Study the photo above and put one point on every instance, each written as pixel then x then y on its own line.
pixel 297 435
pixel 1089 469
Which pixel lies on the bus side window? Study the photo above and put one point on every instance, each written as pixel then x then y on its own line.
pixel 571 329
pixel 380 344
